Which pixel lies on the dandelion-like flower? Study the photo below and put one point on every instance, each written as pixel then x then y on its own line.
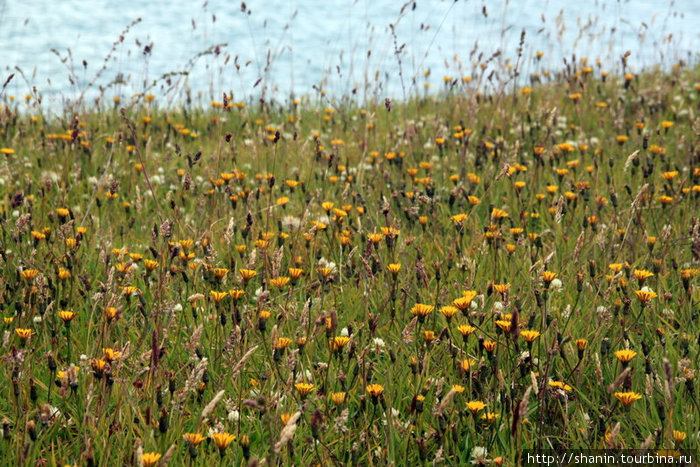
pixel 390 232
pixel 110 354
pixel 498 214
pixel 464 302
pixel 281 343
pixel 193 439
pixel 669 175
pixel 559 385
pixel 459 218
pixel 466 330
pixel 448 312
pixel 338 342
pixel 304 389
pixel 374 390
pixel 467 364
pixel 217 296
pixel 548 277
pixel 475 406
pixel 645 296
pixel 338 398
pixel 642 274
pixel 295 273
pixel 421 310
pixel 504 325
pixel 279 281
pixel 149 459
pixel 625 356
pixel 67 316
pixel 679 436
pixel 24 334
pixel 490 417
pixel 375 238
pixel 222 440
pixel 247 274
pixel 236 294
pixel 29 274
pixel 325 272
pixel 98 366
pixel 220 273
pixel 627 398
pixel 529 335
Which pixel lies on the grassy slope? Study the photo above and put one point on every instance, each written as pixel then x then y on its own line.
pixel 382 169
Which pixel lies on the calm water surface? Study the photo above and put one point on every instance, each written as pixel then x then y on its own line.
pixel 279 47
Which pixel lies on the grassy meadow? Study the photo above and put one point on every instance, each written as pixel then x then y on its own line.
pixel 451 279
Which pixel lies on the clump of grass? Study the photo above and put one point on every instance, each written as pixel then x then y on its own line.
pixel 450 278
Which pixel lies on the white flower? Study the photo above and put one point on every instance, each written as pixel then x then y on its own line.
pixel 234 416
pixel 394 413
pixel 324 263
pixel 379 342
pixel 53 176
pixel 556 285
pixel 479 454
pixel 497 307
pixel 291 222
pixel 37 319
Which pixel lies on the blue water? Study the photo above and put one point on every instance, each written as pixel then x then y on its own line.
pixel 282 47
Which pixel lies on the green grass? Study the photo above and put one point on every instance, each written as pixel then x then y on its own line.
pixel 193 189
